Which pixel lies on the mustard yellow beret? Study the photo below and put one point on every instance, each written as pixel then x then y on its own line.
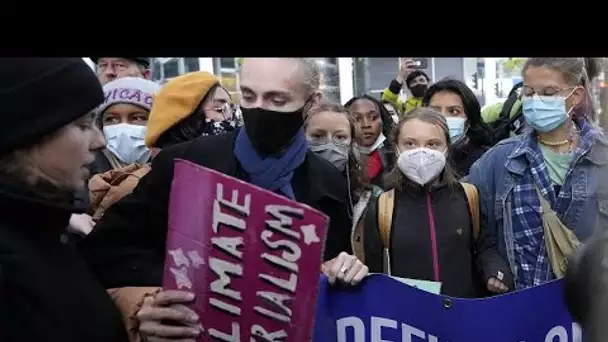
pixel 176 100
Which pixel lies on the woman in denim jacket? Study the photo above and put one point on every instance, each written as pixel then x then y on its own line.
pixel 561 156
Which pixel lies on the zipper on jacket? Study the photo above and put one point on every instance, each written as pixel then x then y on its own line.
pixel 433 231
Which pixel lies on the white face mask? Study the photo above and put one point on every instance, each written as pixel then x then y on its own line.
pixel 368 150
pixel 127 143
pixel 457 127
pixel 421 165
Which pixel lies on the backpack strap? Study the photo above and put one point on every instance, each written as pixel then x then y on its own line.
pixel 386 202
pixel 473 199
pixel 357 235
pixel 515 88
pixel 517 121
pixel 505 112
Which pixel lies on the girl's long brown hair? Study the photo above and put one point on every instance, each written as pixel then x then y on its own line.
pixel 395 179
pixel 359 180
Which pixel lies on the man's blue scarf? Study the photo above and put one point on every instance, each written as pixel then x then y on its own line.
pixel 272 173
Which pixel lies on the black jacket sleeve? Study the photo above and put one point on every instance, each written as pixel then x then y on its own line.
pixel 372 244
pixel 127 246
pixel 81 197
pixel 488 261
pixel 395 87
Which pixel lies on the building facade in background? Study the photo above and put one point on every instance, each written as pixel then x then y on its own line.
pixel 373 75
pixel 340 78
pixel 226 69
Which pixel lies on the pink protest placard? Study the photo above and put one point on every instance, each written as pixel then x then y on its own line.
pixel 251 257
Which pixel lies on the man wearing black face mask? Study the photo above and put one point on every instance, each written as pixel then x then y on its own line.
pixel 269 155
pixel 127 248
pixel 416 81
pixel 261 128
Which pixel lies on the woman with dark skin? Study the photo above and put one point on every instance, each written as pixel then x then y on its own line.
pixel 376 124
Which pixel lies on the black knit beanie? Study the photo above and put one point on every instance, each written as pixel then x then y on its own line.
pixel 38 96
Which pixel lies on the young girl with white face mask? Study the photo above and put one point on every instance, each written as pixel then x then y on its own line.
pixel 432 233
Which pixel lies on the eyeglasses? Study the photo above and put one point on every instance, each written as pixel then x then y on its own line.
pixel 547 94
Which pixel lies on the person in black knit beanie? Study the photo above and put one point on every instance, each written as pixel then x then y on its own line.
pixel 41 95
pixel 47 138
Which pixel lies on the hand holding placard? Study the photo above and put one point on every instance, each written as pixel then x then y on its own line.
pixel 251 257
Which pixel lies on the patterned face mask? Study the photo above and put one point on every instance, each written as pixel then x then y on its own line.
pixel 219 127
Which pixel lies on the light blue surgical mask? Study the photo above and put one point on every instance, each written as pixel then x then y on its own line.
pixel 456 125
pixel 127 143
pixel 545 113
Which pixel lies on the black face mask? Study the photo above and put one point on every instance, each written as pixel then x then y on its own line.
pixel 419 90
pixel 270 131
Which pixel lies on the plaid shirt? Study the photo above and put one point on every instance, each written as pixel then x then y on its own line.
pixel 532 261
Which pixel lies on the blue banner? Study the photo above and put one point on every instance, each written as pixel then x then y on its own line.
pixel 383 309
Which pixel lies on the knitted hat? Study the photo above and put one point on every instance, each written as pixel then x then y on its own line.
pixel 144 61
pixel 176 100
pixel 39 96
pixel 132 90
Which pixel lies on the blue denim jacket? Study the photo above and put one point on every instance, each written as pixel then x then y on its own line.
pixel 506 177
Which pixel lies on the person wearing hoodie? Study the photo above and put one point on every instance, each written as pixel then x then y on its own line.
pixel 47 291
